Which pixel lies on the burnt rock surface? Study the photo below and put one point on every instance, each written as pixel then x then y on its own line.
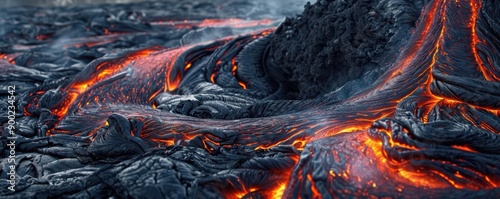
pixel 339 41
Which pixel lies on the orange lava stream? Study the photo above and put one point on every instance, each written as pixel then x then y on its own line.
pixel 243 85
pixel 273 192
pixel 394 77
pixel 172 84
pixel 9 58
pixel 423 43
pixel 77 88
pixel 487 74
pixel 432 178
pixel 475 6
pixel 108 69
pixel 231 22
pixel 233 70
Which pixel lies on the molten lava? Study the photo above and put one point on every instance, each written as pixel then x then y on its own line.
pixel 232 22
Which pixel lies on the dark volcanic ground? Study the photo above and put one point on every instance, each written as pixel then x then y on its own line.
pixel 71 37
pixel 340 41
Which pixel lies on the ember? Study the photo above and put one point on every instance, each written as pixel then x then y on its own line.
pixel 351 99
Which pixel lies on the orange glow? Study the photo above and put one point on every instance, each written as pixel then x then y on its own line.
pixel 187 66
pixel 299 144
pixel 108 69
pixel 212 78
pixel 417 178
pixel 265 147
pixel 424 43
pixel 233 63
pixel 488 75
pixel 172 84
pixel 346 130
pixel 9 58
pixel 79 87
pixel 314 190
pixel 332 173
pixel 154 95
pixel 463 148
pixel 275 192
pixel 233 70
pixel 231 22
pixel 234 22
pixel 243 85
pixel 167 142
pixel 278 192
pixel 408 55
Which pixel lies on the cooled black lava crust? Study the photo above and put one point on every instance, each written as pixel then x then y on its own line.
pixel 339 41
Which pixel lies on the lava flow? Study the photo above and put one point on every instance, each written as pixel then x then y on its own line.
pixel 234 22
pixel 220 118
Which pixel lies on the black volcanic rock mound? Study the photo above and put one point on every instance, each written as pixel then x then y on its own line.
pixel 339 41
